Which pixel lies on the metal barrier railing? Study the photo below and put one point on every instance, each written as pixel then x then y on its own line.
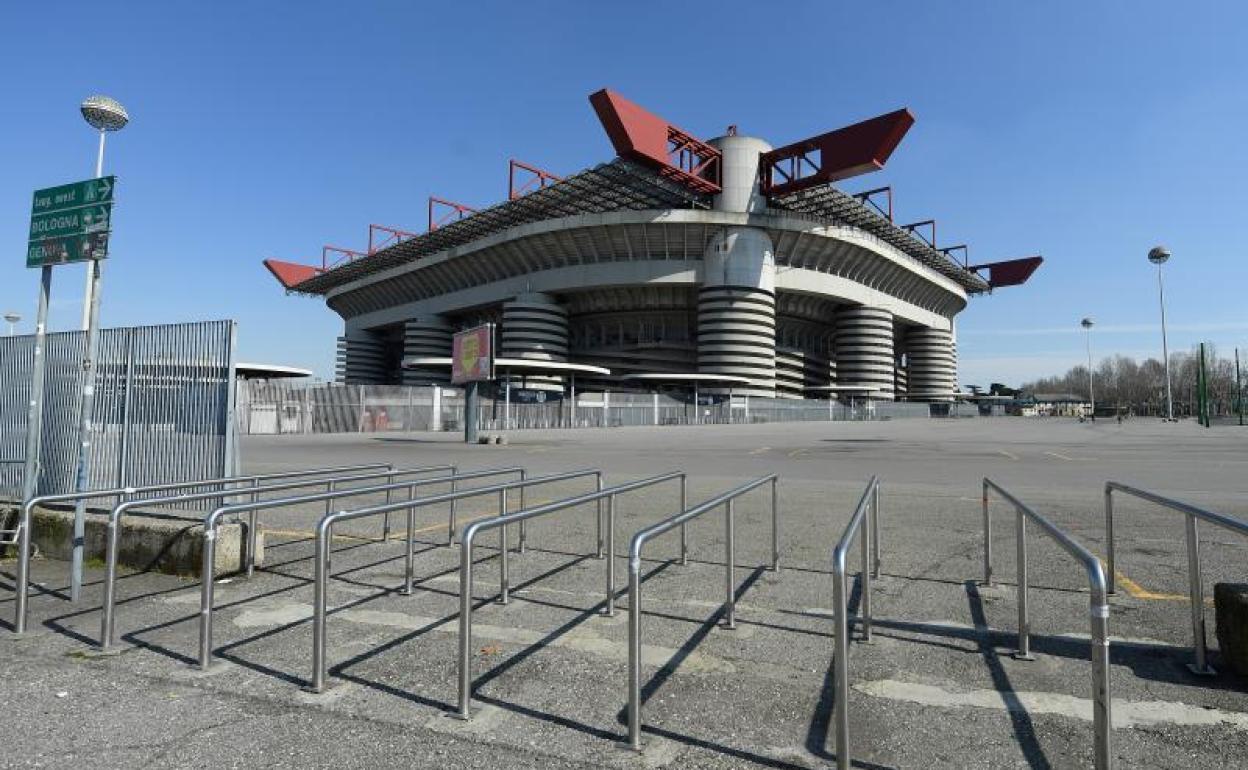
pixel 24 521
pixel 866 518
pixel 213 519
pixel 113 536
pixel 1098 610
pixel 324 532
pixel 634 582
pixel 1195 588
pixel 501 522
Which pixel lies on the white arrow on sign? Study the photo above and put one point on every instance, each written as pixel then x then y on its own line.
pixel 105 188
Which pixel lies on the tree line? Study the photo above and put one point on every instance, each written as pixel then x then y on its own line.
pixel 1141 386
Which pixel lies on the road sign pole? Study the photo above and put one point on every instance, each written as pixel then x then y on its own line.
pixel 34 420
pixel 86 408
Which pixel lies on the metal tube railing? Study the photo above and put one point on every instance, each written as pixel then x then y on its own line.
pixel 113 536
pixel 20 608
pixel 730 602
pixel 324 532
pixel 866 519
pixel 465 566
pixel 1098 611
pixel 1195 587
pixel 207 585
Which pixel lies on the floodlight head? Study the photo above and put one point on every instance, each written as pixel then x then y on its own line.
pixel 12 317
pixel 1086 323
pixel 1158 255
pixel 104 114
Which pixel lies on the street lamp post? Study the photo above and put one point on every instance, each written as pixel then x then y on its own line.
pixel 1158 256
pixel 104 115
pixel 1087 327
pixel 12 319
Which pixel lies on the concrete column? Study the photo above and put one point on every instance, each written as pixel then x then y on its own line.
pixel 736 302
pixel 535 328
pixel 864 350
pixel 933 367
pixel 426 337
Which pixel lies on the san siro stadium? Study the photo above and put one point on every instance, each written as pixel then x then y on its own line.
pixel 723 264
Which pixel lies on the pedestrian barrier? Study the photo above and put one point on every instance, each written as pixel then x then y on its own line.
pixel 1194 586
pixel 500 523
pixel 634 588
pixel 324 532
pixel 212 520
pixel 865 519
pixel 113 537
pixel 1098 611
pixel 24 521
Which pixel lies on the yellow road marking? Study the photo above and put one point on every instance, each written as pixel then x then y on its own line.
pixel 1138 591
pixel 796 452
pixel 1010 455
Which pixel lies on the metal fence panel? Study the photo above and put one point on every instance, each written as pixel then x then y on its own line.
pixel 162 398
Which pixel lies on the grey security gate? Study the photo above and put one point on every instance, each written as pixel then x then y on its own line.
pixel 163 395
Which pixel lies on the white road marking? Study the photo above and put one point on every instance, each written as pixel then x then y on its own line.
pixel 1126 713
pixel 1010 455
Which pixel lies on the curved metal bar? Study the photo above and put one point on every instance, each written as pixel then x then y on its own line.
pixel 501 522
pixel 866 519
pixel 113 535
pixel 325 531
pixel 1195 586
pixel 1098 611
pixel 634 584
pixel 207 587
pixel 20 608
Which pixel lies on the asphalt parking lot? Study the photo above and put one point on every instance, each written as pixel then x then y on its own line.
pixel 936 687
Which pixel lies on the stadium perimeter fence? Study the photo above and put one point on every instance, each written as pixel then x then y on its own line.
pixel 278 407
pixel 163 395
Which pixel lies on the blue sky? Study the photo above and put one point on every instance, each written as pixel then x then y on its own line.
pixel 1086 132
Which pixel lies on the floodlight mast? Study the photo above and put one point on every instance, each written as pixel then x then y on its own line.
pixel 1158 256
pixel 1087 327
pixel 104 114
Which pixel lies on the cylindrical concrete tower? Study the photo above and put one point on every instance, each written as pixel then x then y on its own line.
pixel 361 358
pixel 535 328
pixel 933 371
pixel 864 350
pixel 426 337
pixel 737 299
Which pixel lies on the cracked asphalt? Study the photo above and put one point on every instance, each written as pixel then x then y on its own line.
pixel 936 686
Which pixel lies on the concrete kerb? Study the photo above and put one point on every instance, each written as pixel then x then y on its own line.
pixel 24 525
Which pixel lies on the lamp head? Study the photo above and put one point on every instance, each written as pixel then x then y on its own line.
pixel 1086 323
pixel 1158 255
pixel 104 114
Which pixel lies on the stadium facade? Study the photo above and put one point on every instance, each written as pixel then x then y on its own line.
pixel 680 258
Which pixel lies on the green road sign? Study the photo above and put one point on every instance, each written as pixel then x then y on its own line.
pixel 71 248
pixel 88 219
pixel 70 223
pixel 69 196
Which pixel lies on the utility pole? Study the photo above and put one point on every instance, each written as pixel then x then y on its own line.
pixel 1239 390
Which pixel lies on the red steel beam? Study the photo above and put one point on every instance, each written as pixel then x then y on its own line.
pixel 868 197
pixel 537 177
pixel 457 211
pixel 348 255
pixel 913 227
pixel 291 274
pixel 1012 272
pixel 836 155
pixel 642 136
pixel 392 237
